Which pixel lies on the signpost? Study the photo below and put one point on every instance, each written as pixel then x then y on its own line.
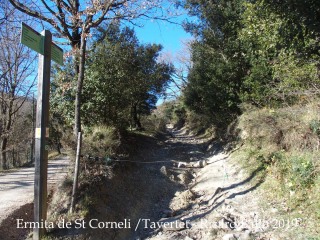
pixel 42 44
pixel 56 54
pixel 35 41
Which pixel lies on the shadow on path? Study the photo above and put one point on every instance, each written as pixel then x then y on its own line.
pixel 228 194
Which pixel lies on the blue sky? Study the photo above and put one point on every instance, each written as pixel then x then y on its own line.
pixel 167 34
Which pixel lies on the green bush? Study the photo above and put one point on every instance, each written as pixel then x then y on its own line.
pixel 198 123
pixel 315 126
pixel 302 172
pixel 179 116
pixel 100 141
pixel 154 122
pixel 173 112
pixel 287 141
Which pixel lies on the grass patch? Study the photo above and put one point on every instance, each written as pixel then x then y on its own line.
pixel 100 141
pixel 53 154
pixel 286 142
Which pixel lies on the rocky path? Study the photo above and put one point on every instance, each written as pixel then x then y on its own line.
pixel 173 188
pixel 219 202
pixel 17 187
pixel 151 187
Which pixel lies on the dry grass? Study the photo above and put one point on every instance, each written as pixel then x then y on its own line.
pixel 100 141
pixel 287 142
pixel 53 154
pixel 286 128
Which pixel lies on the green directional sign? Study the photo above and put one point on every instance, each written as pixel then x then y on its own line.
pixel 34 40
pixel 56 54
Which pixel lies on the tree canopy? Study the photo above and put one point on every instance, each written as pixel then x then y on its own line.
pixel 265 53
pixel 124 79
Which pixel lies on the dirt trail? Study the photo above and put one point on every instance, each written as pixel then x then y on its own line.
pixel 177 189
pixel 17 187
pixel 220 201
pixel 174 188
pixel 143 188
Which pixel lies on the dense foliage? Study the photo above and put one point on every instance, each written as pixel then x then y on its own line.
pixel 218 65
pixel 16 87
pixel 257 63
pixel 123 80
pixel 265 53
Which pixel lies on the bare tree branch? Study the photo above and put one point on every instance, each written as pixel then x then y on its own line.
pixel 16 66
pixel 35 14
pixel 74 19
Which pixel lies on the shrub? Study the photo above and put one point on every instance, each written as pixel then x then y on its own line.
pixel 287 140
pixel 302 171
pixel 154 123
pixel 291 128
pixel 100 141
pixel 198 123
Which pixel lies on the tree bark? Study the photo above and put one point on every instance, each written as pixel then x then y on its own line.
pixel 77 127
pixel 4 142
pixel 59 148
pixel 136 120
pixel 7 112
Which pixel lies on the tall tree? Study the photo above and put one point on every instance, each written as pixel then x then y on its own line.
pixel 16 67
pixel 263 52
pixel 215 79
pixel 126 76
pixel 74 19
pixel 304 15
pixel 280 48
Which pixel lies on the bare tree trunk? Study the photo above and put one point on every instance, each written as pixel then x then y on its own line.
pixel 59 147
pixel 8 123
pixel 77 127
pixel 76 172
pixel 136 120
pixel 4 142
pixel 14 158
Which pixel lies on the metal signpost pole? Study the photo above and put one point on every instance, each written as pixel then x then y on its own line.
pixel 41 137
pixel 42 44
